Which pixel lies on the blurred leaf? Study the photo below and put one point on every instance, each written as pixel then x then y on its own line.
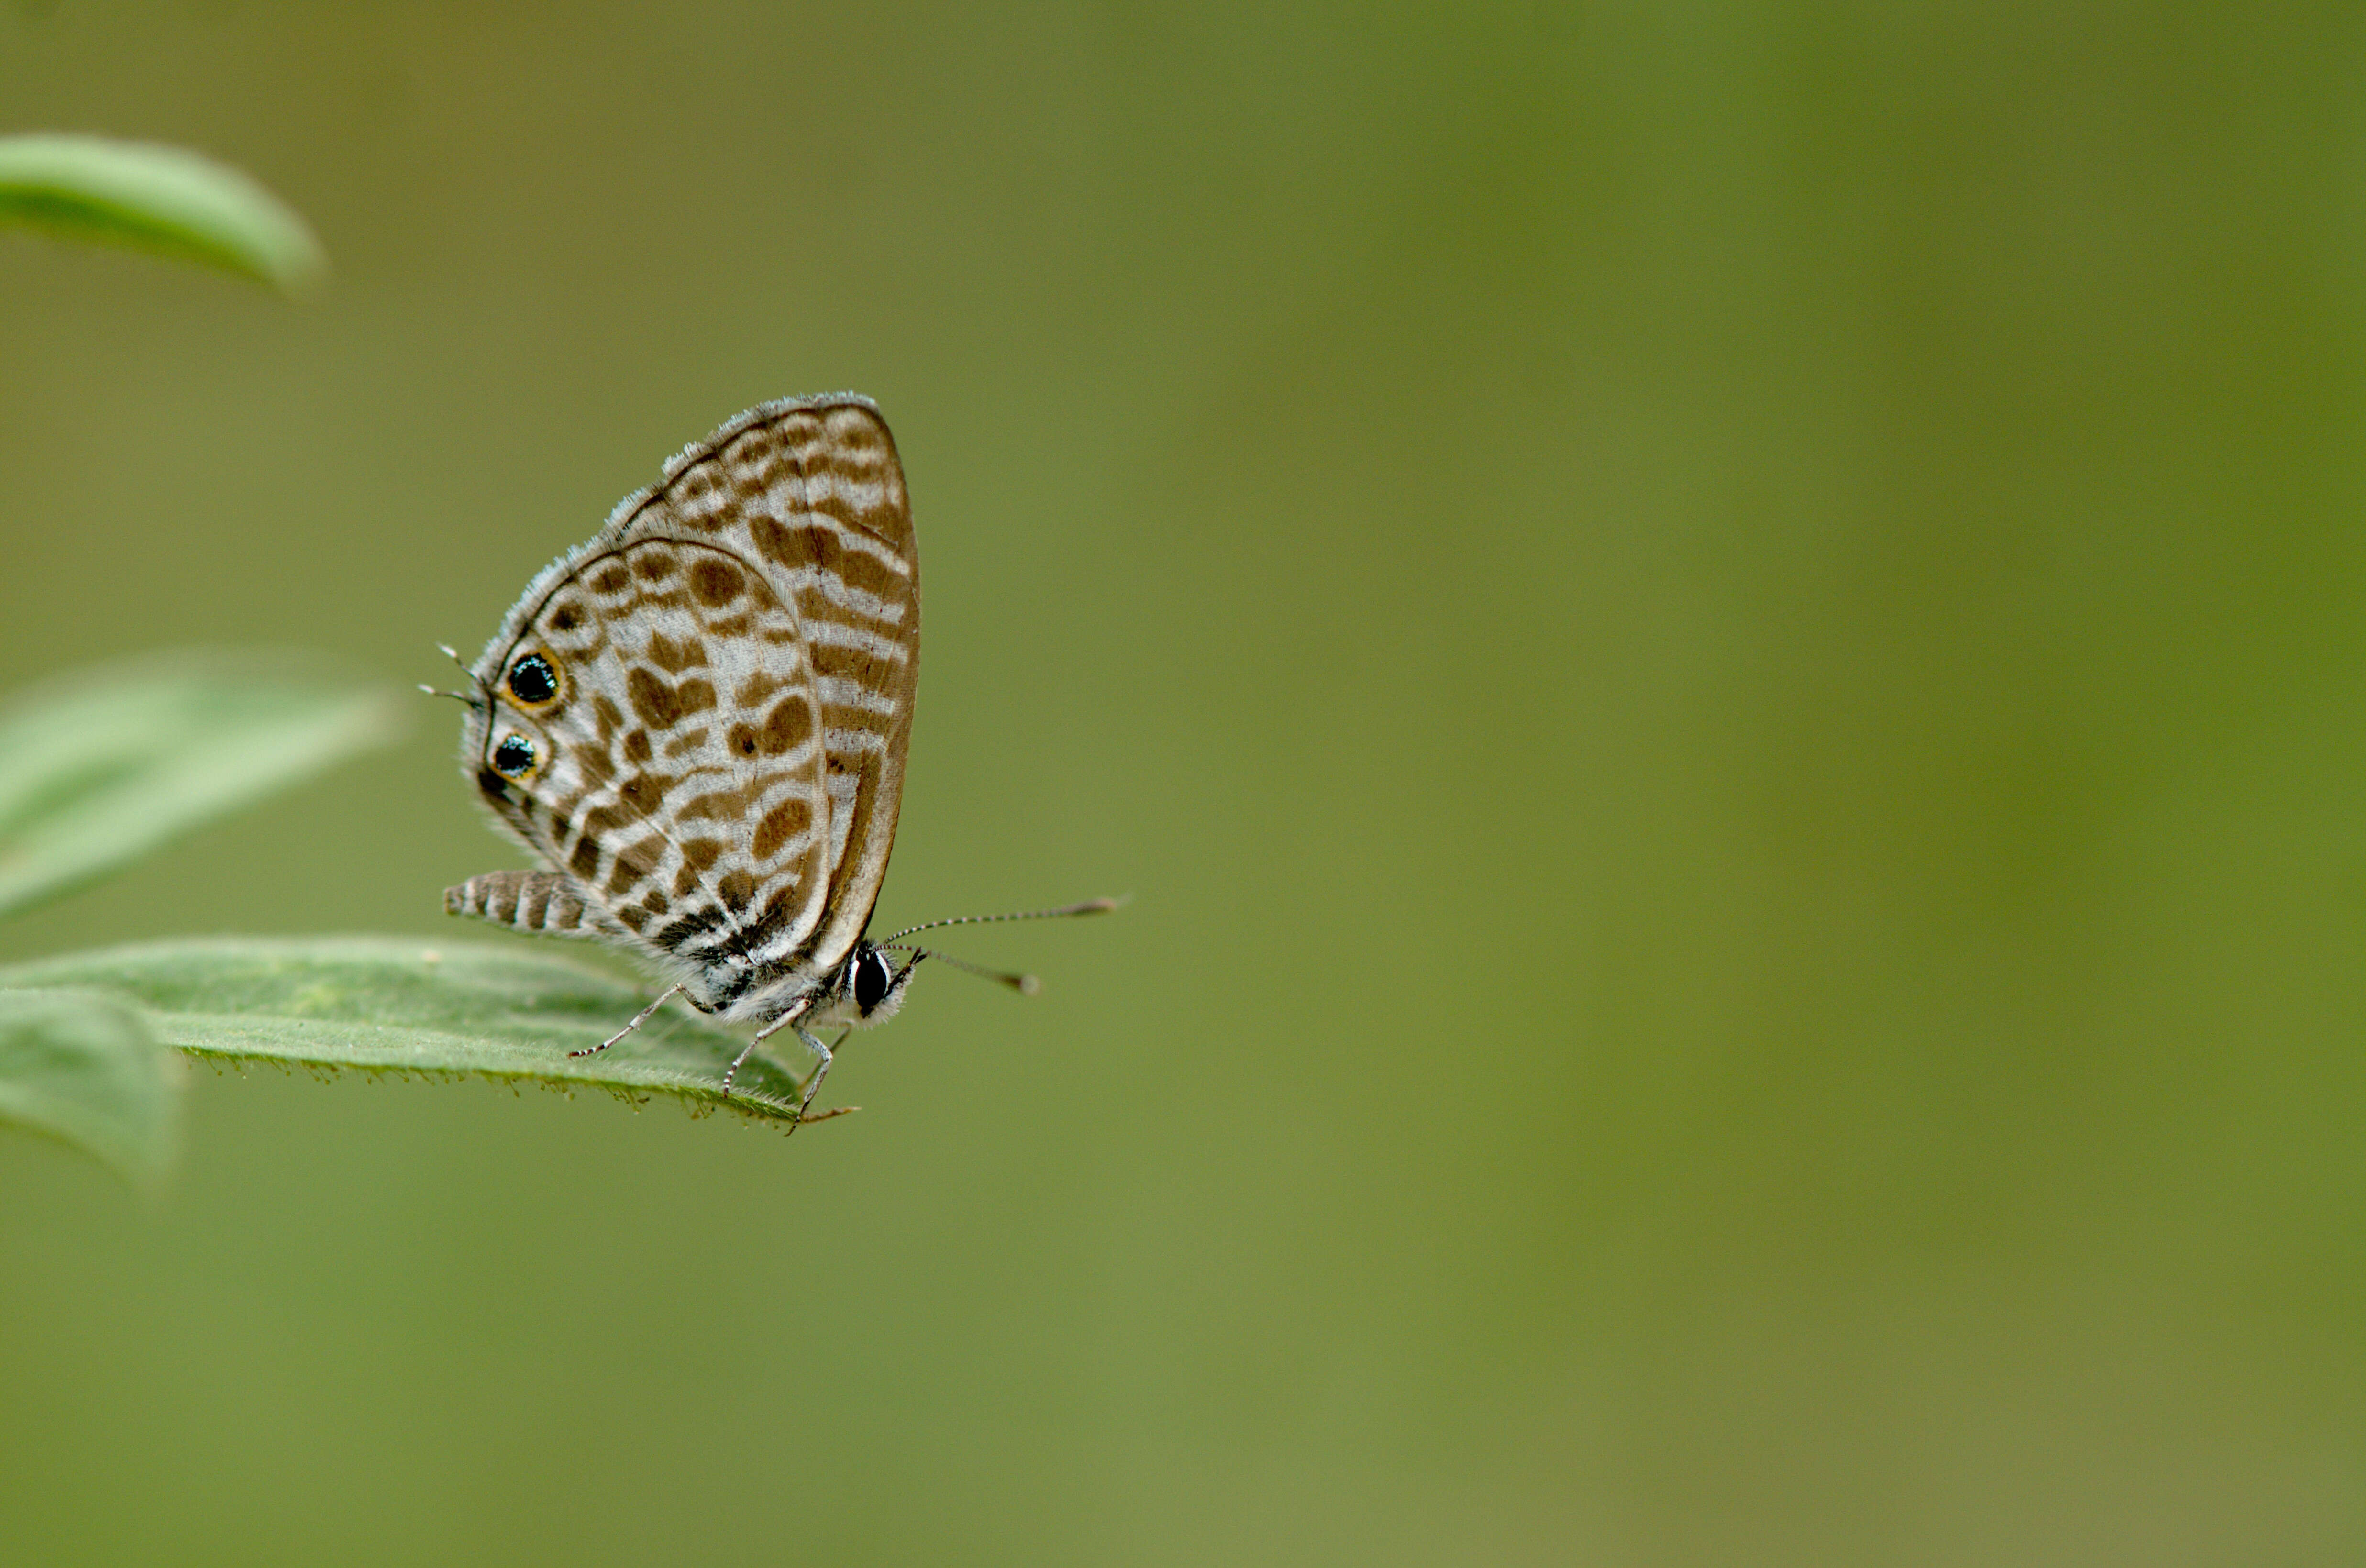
pixel 86 1070
pixel 385 1003
pixel 160 199
pixel 105 766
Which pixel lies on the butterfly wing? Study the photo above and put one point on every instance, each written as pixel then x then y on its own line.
pixel 673 764
pixel 700 717
pixel 812 492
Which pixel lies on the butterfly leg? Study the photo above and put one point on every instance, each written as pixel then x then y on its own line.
pixel 813 1083
pixel 644 1018
pixel 749 1050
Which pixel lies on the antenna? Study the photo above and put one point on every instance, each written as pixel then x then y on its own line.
pixel 475 703
pixel 1089 906
pixel 1025 985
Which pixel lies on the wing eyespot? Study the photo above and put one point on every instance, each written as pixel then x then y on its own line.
pixel 533 680
pixel 513 758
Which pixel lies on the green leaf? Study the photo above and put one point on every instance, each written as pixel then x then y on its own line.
pixel 106 766
pixel 86 1070
pixel 160 199
pixel 384 1003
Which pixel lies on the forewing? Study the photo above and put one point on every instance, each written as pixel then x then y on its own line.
pixel 812 494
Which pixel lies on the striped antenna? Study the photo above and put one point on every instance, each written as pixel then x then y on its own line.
pixel 1089 906
pixel 476 704
pixel 1025 985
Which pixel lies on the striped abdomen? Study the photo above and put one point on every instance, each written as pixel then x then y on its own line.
pixel 525 901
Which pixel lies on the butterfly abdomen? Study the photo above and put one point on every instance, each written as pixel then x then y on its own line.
pixel 525 901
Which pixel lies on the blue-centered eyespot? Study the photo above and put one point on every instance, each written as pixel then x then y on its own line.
pixel 533 680
pixel 513 758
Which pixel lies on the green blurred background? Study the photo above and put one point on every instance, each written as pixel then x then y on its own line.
pixel 1723 644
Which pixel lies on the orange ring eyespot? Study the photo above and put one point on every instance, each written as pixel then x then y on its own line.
pixel 533 680
pixel 514 757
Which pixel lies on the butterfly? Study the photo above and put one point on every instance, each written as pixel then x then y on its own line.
pixel 697 721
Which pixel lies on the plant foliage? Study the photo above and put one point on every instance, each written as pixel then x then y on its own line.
pixel 166 199
pixel 100 770
pixel 386 1004
pixel 87 1070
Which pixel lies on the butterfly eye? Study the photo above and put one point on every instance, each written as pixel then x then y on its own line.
pixel 533 680
pixel 871 977
pixel 513 758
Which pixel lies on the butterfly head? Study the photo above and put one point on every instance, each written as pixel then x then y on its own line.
pixel 870 989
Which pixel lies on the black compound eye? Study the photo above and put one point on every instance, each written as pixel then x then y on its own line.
pixel 532 679
pixel 871 977
pixel 513 758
